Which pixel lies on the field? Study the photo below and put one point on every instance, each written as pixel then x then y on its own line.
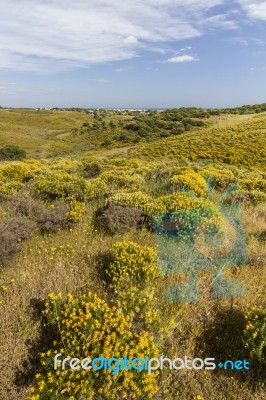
pixel 81 251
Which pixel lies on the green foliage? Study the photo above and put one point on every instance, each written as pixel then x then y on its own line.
pixel 12 152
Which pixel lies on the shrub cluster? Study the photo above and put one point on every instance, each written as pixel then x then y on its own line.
pixel 89 328
pixel 133 274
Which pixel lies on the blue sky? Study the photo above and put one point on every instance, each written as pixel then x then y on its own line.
pixel 132 53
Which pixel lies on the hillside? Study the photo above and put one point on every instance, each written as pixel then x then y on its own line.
pixel 100 225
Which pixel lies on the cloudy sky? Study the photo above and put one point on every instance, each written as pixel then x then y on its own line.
pixel 132 53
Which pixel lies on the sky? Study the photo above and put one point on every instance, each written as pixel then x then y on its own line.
pixel 132 53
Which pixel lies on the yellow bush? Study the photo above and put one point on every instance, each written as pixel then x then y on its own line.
pixel 97 189
pixel 181 201
pixel 218 178
pixel 168 203
pixel 120 179
pixel 190 181
pixel 54 186
pixel 10 188
pixel 255 332
pixel 253 184
pixel 252 196
pixel 89 328
pixel 136 199
pixel 76 211
pixel 19 172
pixel 133 273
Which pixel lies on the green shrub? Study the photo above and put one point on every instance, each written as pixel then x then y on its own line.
pixel 12 152
pixel 91 168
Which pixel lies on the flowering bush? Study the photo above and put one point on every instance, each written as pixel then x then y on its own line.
pixel 97 189
pixel 187 211
pixel 54 186
pixel 255 332
pixel 253 184
pixel 91 167
pixel 219 178
pixel 88 328
pixel 10 187
pixel 76 211
pixel 13 175
pixel 190 181
pixel 119 179
pixel 249 196
pixel 133 274
pixel 19 172
pixel 136 199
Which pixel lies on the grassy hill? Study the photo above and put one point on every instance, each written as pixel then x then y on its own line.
pixel 236 141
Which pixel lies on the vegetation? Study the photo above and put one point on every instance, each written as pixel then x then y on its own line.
pixel 11 152
pixel 80 273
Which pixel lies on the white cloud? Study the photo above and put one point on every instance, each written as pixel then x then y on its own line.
pixel 224 21
pixel 38 35
pixel 246 41
pixel 131 40
pixel 181 59
pixel 186 48
pixel 255 9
